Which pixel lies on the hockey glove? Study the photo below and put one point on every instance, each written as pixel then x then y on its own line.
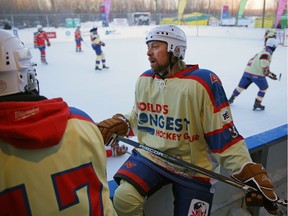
pixel 48 44
pixel 272 76
pixel 103 44
pixel 117 124
pixel 254 175
pixel 118 150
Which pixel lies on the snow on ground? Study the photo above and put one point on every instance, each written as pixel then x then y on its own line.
pixel 224 50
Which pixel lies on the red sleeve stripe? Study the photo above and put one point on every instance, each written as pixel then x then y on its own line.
pixel 219 131
pixel 135 178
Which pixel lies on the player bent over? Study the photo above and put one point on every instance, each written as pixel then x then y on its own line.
pixel 256 71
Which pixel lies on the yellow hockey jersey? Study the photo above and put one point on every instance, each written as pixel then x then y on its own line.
pixel 52 160
pixel 260 63
pixel 187 116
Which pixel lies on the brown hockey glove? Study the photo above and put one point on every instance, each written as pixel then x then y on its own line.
pixel 48 44
pixel 118 124
pixel 254 175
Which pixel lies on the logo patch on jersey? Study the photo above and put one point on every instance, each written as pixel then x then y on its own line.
pixel 214 79
pixel 198 208
pixel 23 114
pixel 233 131
pixel 225 115
pixel 128 164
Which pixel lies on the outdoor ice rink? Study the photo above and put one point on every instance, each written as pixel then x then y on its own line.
pixel 224 50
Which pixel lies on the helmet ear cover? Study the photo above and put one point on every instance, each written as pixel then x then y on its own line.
pixel 15 66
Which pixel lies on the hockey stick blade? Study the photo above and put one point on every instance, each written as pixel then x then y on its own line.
pixel 193 167
pixel 280 76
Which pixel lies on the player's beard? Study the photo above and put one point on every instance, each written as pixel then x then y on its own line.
pixel 158 68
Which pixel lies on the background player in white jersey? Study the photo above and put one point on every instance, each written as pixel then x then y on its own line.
pixel 97 47
pixel 256 71
pixel 183 111
pixel 52 156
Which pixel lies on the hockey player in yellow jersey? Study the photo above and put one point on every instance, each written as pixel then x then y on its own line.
pixel 183 111
pixel 256 71
pixel 97 43
pixel 52 156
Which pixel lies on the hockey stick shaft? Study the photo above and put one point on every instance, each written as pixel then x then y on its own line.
pixel 85 43
pixel 211 174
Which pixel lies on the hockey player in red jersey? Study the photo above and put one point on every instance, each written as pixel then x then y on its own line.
pixel 78 38
pixel 40 40
pixel 181 110
pixel 52 156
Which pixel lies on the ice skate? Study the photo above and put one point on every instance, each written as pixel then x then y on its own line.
pixel 258 106
pixel 97 68
pixel 44 61
pixel 105 67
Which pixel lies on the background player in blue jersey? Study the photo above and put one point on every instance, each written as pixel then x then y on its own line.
pixel 52 156
pixel 183 111
pixel 256 71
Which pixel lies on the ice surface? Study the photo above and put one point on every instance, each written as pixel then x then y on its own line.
pixel 224 50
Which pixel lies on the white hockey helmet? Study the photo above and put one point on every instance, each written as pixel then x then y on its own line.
pixel 39 27
pixel 17 73
pixel 173 36
pixel 271 33
pixel 272 42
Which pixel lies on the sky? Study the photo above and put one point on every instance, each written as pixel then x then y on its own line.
pixel 224 50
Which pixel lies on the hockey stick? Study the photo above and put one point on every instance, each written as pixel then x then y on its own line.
pixel 85 43
pixel 211 174
pixel 280 76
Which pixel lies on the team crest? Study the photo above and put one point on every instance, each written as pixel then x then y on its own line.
pixel 214 79
pixel 128 164
pixel 198 208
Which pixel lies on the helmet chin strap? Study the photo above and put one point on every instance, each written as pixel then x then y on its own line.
pixel 171 64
